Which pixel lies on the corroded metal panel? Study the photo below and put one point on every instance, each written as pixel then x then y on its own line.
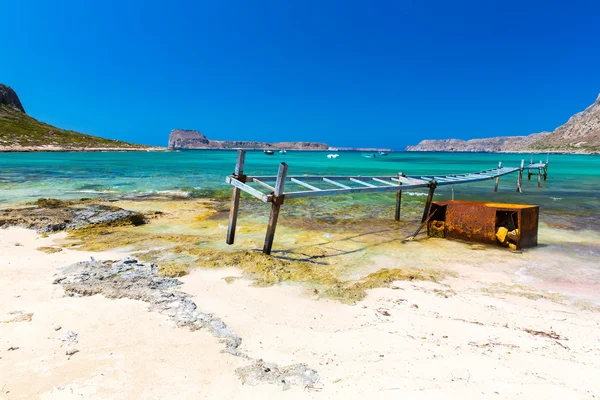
pixel 478 221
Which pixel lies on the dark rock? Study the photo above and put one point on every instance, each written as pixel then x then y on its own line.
pixel 60 215
pixel 9 97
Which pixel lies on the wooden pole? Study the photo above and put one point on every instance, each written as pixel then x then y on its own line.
pixel 539 177
pixel 432 187
pixel 520 177
pixel 235 196
pixel 275 206
pixel 398 200
pixel 498 178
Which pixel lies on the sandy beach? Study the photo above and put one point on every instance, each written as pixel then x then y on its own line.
pixel 413 339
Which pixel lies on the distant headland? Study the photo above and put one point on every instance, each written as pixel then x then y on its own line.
pixel 580 135
pixel 189 139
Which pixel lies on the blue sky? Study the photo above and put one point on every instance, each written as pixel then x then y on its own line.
pixel 348 73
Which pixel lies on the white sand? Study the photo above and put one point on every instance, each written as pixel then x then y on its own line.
pixel 467 345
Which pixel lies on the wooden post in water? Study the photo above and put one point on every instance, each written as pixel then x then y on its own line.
pixel 498 178
pixel 275 206
pixel 539 177
pixel 235 196
pixel 432 187
pixel 520 177
pixel 398 199
pixel 546 167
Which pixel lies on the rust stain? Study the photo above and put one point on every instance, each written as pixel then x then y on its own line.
pixel 477 222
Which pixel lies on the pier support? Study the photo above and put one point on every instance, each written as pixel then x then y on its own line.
pixel 432 187
pixel 275 206
pixel 498 178
pixel 520 177
pixel 539 177
pixel 398 200
pixel 235 196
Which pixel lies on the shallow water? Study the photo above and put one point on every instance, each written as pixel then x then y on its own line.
pixel 571 187
pixel 569 199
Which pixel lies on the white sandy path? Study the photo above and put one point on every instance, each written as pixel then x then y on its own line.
pixel 464 346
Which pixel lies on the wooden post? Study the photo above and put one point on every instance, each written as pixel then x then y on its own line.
pixel 520 177
pixel 398 199
pixel 539 177
pixel 498 178
pixel 235 196
pixel 275 206
pixel 432 187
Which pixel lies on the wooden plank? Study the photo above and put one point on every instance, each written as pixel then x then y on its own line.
pixel 336 183
pixel 306 185
pixel 329 192
pixel 261 183
pixel 235 198
pixel 410 181
pixel 363 183
pixel 308 178
pixel 386 182
pixel 248 189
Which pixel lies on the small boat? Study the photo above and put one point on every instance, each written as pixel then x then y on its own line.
pixel 333 155
pixel 383 153
pixel 369 155
pixel 283 151
pixel 269 152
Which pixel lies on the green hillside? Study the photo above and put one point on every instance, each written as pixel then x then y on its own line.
pixel 19 129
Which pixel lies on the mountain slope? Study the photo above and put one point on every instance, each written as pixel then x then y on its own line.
pixel 20 132
pixel 580 134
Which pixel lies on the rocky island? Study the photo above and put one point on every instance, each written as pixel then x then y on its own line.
pixel 21 132
pixel 187 139
pixel 580 135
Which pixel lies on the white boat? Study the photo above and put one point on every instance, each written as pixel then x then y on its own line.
pixel 269 152
pixel 282 151
pixel 333 155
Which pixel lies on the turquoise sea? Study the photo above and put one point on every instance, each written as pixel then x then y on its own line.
pixel 571 191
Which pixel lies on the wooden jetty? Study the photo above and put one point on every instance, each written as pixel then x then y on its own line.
pixel 330 185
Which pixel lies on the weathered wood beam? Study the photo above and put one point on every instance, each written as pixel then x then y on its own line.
pixel 306 185
pixel 363 183
pixel 275 207
pixel 261 183
pixel 398 200
pixel 336 183
pixel 498 178
pixel 235 196
pixel 390 183
pixel 432 187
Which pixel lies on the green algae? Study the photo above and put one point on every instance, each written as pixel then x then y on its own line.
pixel 187 235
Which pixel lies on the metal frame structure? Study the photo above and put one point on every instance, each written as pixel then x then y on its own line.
pixel 335 184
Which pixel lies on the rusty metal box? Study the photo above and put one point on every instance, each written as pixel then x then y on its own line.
pixel 479 221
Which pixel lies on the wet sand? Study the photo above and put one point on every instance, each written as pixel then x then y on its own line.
pixel 477 334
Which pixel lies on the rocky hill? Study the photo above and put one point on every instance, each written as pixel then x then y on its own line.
pixel 20 132
pixel 581 134
pixel 184 139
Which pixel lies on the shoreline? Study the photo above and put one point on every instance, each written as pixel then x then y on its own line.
pixel 421 338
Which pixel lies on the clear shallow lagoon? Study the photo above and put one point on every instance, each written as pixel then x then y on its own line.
pixel 565 261
pixel 572 185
